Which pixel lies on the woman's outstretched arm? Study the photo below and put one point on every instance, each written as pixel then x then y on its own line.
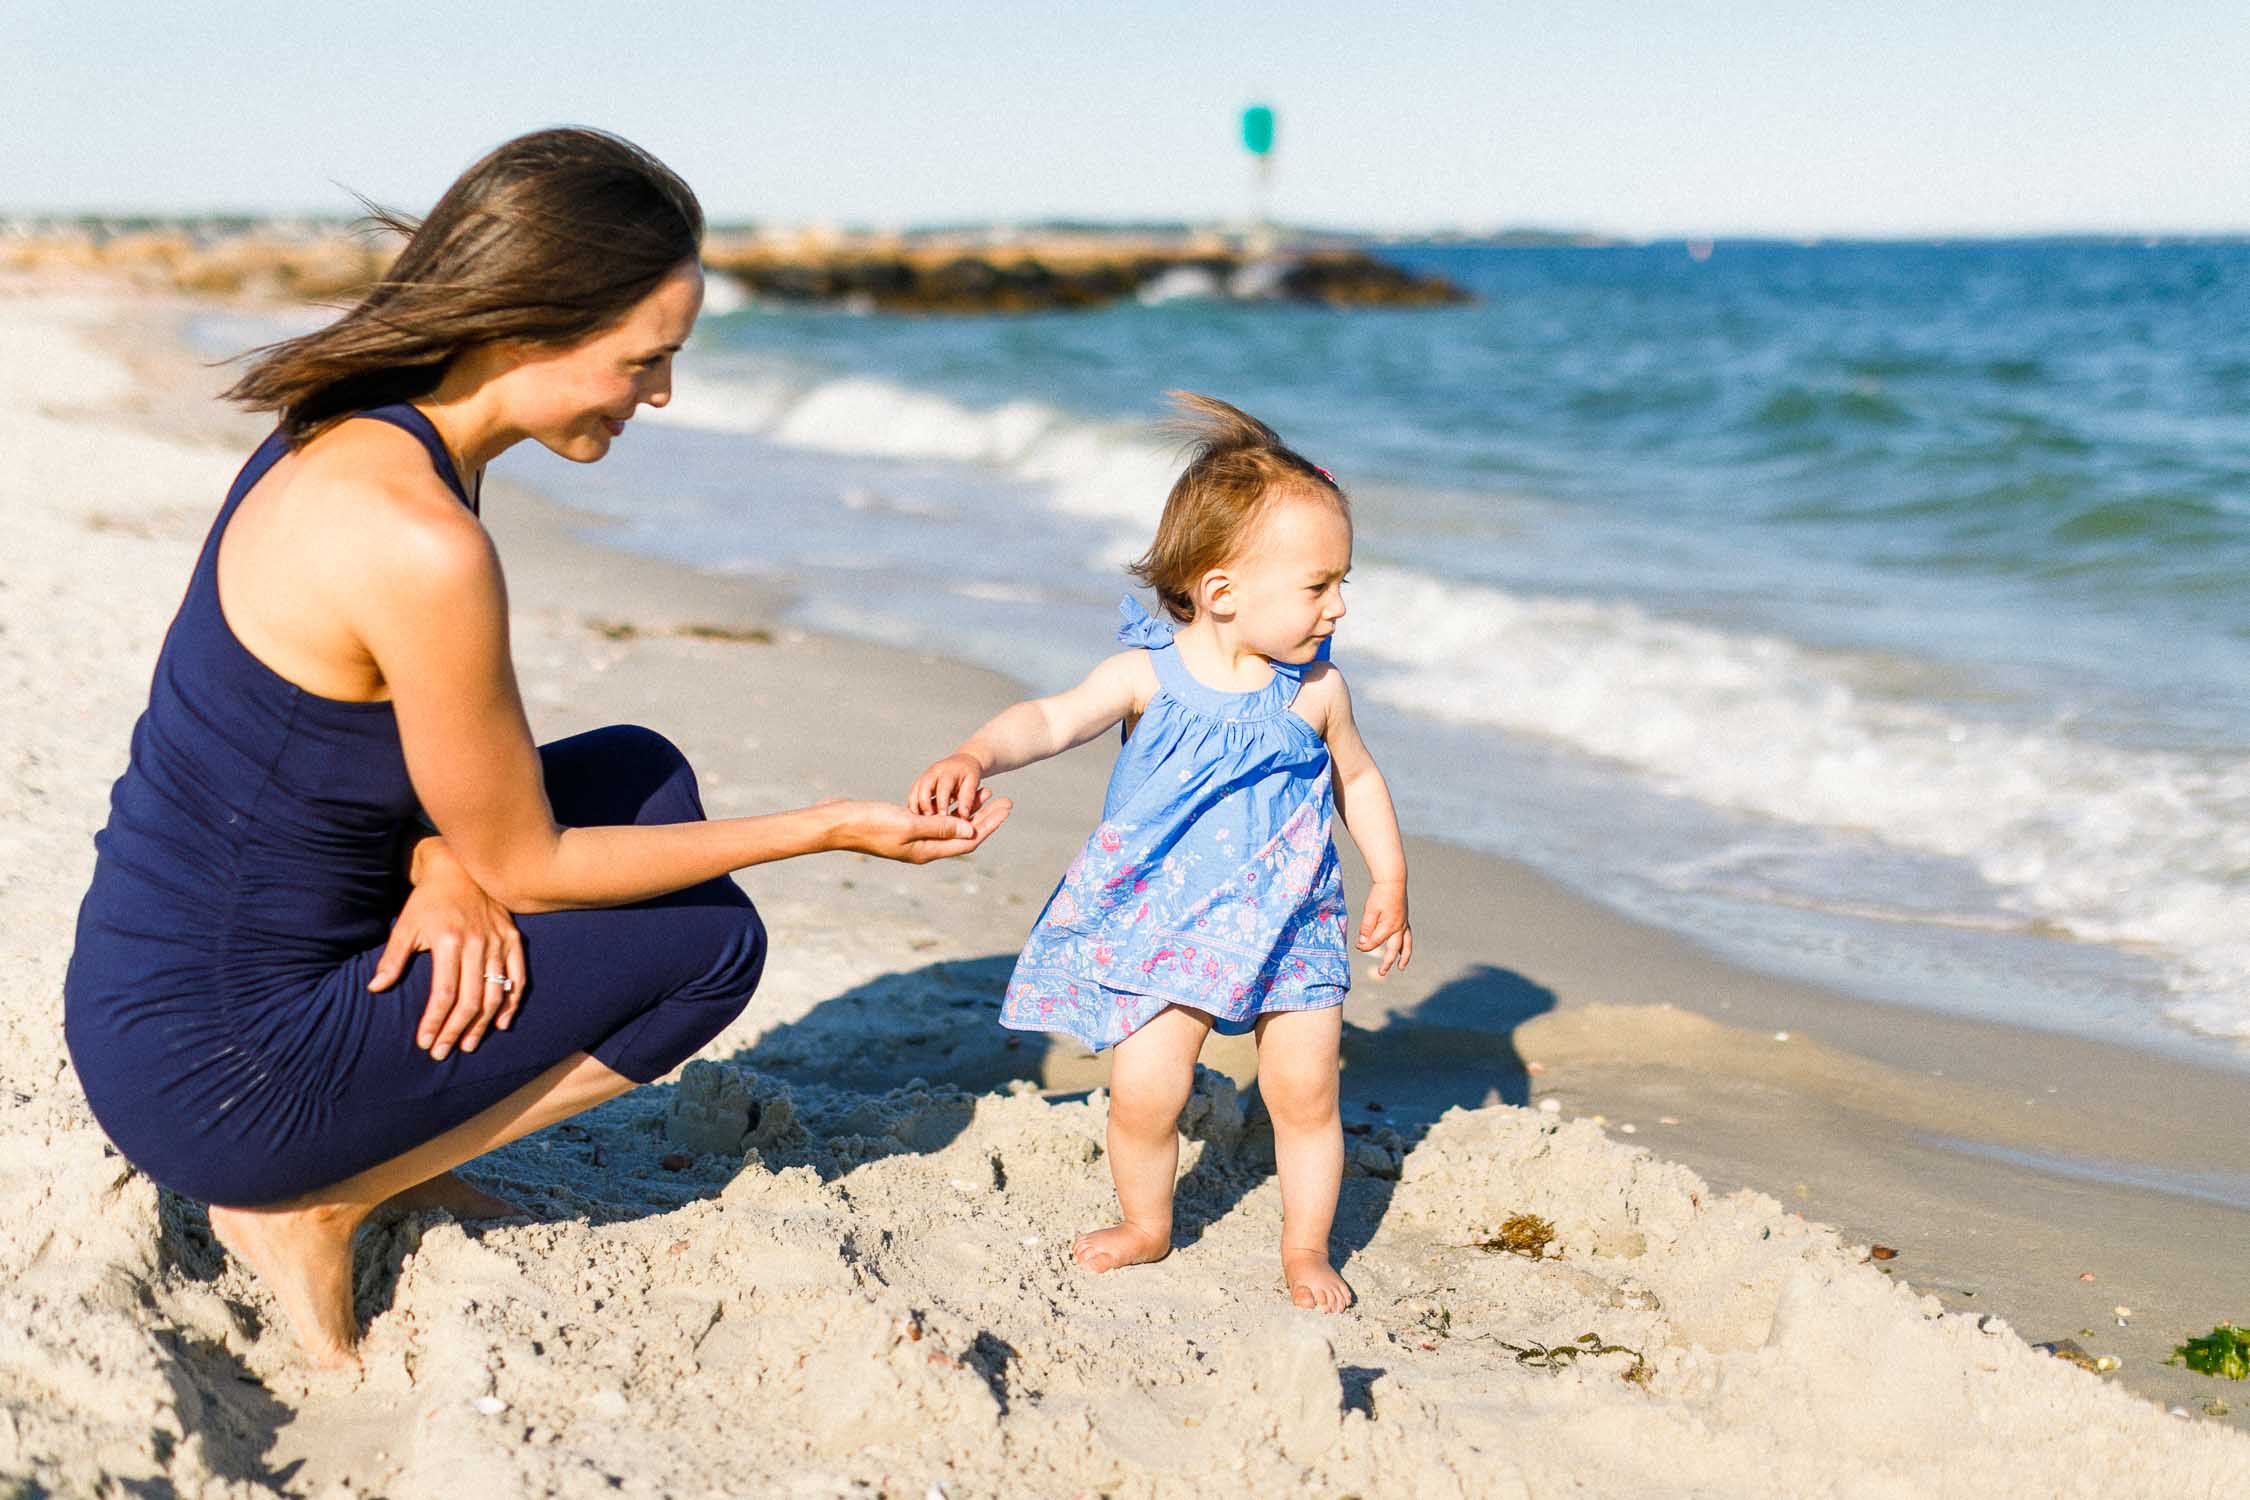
pixel 433 614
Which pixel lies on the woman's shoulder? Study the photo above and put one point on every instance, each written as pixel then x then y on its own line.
pixel 339 545
pixel 370 487
pixel 375 458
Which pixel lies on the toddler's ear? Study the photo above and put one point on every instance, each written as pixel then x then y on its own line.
pixel 1214 592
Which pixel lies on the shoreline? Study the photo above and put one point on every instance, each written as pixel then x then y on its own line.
pixel 877 987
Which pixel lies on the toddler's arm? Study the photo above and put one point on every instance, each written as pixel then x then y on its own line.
pixel 1036 729
pixel 1363 801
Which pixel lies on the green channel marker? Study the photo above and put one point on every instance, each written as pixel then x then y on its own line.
pixel 1257 129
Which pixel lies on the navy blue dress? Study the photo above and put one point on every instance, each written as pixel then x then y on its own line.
pixel 216 1006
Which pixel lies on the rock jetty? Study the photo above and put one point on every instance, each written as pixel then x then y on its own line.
pixel 987 271
pixel 230 259
pixel 1048 272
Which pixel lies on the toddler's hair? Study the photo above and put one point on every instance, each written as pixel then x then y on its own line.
pixel 1237 467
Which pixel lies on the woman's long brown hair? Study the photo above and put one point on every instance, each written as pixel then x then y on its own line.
pixel 549 239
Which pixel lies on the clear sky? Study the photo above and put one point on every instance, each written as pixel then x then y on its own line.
pixel 1639 117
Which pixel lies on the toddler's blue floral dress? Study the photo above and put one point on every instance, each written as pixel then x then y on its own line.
pixel 1212 880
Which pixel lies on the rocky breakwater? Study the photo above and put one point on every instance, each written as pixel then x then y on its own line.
pixel 989 274
pixel 251 259
pixel 988 271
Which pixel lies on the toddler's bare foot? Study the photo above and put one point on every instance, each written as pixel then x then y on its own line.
pixel 1120 1245
pixel 304 1257
pixel 454 1194
pixel 1313 1282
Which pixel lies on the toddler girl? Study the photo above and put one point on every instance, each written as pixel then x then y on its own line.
pixel 1209 896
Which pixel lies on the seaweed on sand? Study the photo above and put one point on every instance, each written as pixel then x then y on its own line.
pixel 1520 1234
pixel 1555 1357
pixel 2224 1352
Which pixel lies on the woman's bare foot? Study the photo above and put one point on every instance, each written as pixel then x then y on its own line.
pixel 1313 1282
pixel 1100 1250
pixel 304 1257
pixel 454 1194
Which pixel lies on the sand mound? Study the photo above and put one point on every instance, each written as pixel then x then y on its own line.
pixel 877 1293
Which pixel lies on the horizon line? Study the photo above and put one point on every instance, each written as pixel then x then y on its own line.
pixel 1588 237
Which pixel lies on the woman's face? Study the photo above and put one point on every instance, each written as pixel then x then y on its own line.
pixel 576 399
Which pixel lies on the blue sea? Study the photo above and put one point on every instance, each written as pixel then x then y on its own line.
pixel 1877 613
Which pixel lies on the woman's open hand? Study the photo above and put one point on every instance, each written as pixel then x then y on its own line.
pixel 477 973
pixel 896 832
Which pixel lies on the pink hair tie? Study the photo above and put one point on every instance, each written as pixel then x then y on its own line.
pixel 1326 475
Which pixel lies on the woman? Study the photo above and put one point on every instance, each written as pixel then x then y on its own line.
pixel 335 773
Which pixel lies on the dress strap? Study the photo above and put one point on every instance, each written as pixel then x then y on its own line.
pixel 1137 627
pixel 409 418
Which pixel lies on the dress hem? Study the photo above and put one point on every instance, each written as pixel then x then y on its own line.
pixel 1329 998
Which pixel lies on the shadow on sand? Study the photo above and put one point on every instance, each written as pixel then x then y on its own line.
pixel 938 1025
pixel 1453 1048
pixel 935 1030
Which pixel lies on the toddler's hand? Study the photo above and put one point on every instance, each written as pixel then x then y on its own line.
pixel 950 785
pixel 1383 925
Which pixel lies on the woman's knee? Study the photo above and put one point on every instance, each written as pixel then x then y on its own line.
pixel 638 752
pixel 622 773
pixel 688 1019
pixel 739 963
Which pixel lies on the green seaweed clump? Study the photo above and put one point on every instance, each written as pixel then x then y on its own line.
pixel 2224 1351
pixel 1522 1234
pixel 1555 1357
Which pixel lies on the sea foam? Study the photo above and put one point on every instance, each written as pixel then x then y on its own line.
pixel 1094 470
pixel 2141 848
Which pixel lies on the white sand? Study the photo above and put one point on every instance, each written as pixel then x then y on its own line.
pixel 863 1291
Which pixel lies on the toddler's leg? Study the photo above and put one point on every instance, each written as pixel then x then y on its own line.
pixel 1149 1078
pixel 1297 1067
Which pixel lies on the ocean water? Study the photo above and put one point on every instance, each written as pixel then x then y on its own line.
pixel 1878 612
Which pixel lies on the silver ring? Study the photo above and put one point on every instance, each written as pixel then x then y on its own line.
pixel 506 984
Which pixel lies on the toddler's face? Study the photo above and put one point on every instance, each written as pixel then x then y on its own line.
pixel 1288 589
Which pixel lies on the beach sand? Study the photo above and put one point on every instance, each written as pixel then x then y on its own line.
pixel 830 1257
